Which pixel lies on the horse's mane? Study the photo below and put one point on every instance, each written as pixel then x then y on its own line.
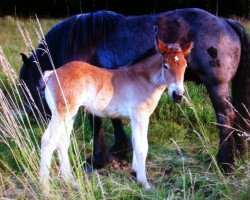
pixel 89 30
pixel 81 34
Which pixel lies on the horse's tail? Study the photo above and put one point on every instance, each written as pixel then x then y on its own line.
pixel 241 80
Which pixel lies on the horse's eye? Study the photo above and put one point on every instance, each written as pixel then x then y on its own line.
pixel 166 66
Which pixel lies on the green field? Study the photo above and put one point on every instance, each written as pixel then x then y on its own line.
pixel 183 142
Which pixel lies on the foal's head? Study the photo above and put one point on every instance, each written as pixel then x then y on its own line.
pixel 174 65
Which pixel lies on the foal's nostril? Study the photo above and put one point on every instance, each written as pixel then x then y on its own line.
pixel 177 97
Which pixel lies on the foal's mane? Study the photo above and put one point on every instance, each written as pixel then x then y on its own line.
pixel 145 66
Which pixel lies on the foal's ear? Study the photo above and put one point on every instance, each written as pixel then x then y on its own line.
pixel 187 48
pixel 25 59
pixel 161 46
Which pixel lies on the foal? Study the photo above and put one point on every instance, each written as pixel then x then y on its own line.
pixel 132 92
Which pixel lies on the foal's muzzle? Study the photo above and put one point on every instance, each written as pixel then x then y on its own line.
pixel 177 97
pixel 176 91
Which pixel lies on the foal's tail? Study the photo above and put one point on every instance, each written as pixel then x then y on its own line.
pixel 241 81
pixel 46 75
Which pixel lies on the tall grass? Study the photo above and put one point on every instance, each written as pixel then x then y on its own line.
pixel 183 142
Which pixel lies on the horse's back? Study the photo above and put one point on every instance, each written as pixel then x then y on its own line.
pixel 217 47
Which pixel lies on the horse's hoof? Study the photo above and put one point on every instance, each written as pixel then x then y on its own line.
pixel 88 168
pixel 133 174
pixel 226 168
pixel 226 163
pixel 91 164
pixel 121 149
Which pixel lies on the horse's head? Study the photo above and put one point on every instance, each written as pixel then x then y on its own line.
pixel 173 68
pixel 30 76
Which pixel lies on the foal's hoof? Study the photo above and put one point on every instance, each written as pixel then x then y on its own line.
pixel 147 187
pixel 71 182
pixel 45 187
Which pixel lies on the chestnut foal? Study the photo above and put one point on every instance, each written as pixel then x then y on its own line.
pixel 131 92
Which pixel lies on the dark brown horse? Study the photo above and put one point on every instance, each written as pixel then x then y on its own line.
pixel 220 56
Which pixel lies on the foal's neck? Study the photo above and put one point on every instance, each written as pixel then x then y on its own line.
pixel 150 69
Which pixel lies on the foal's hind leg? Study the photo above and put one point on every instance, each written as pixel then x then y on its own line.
pixel 122 142
pixel 62 149
pixel 49 143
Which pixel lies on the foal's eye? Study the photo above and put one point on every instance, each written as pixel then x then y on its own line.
pixel 166 66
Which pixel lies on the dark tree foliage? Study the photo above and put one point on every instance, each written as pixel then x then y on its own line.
pixel 65 8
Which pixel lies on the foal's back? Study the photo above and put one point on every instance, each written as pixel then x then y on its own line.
pixel 76 83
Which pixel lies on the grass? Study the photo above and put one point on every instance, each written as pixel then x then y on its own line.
pixel 183 141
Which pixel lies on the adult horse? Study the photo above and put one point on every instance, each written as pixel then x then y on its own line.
pixel 220 56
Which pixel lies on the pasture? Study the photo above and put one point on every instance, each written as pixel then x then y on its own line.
pixel 183 142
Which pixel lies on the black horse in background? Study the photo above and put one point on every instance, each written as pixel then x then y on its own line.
pixel 220 56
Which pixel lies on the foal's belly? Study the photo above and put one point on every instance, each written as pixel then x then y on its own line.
pixel 110 111
pixel 106 106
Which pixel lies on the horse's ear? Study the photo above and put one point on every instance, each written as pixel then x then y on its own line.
pixel 25 59
pixel 161 46
pixel 187 48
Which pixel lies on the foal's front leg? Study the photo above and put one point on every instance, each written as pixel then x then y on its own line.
pixel 139 125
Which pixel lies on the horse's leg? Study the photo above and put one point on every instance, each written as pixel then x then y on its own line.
pixel 241 102
pixel 241 144
pixel 122 142
pixel 100 151
pixel 220 97
pixel 139 126
pixel 49 143
pixel 62 150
